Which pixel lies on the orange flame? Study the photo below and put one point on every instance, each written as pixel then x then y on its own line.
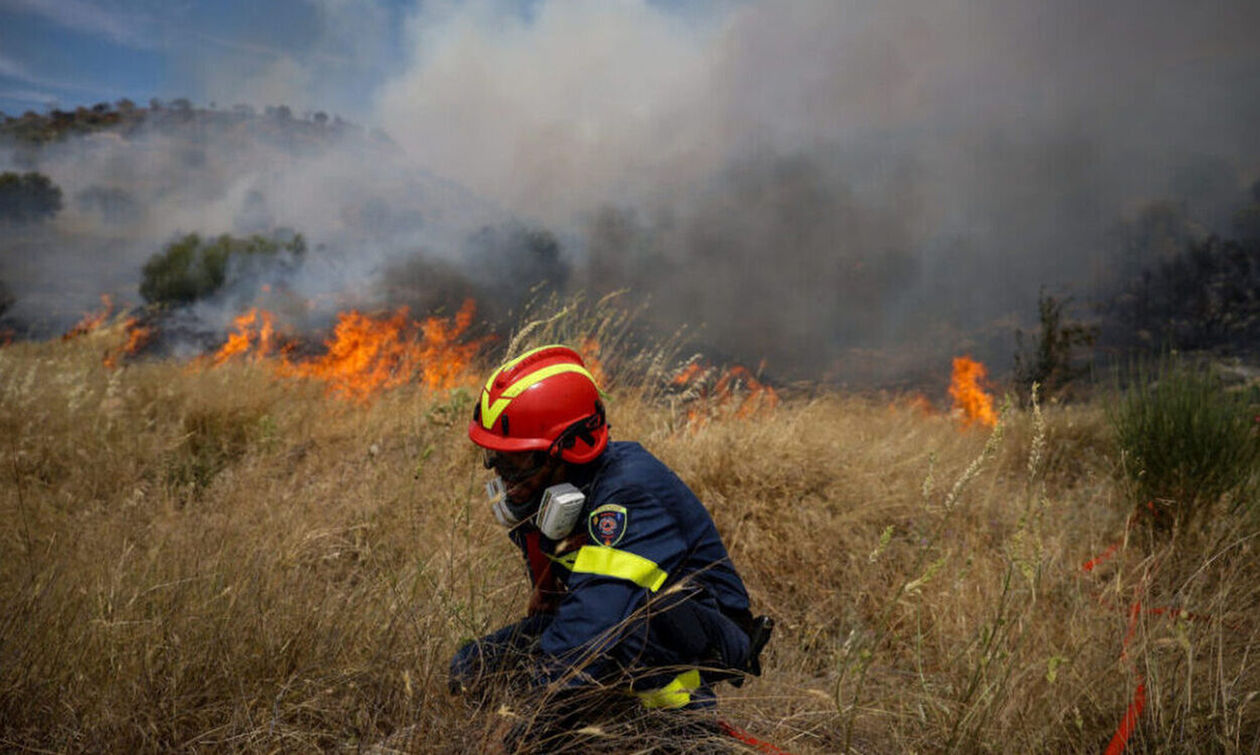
pixel 248 336
pixel 688 375
pixel 444 357
pixel 970 399
pixel 91 320
pixel 366 354
pixel 137 336
pixel 758 393
pixel 736 390
pixel 590 355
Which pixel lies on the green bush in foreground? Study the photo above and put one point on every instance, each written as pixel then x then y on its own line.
pixel 190 268
pixel 1187 441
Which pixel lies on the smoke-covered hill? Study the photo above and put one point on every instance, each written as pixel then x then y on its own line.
pixel 134 179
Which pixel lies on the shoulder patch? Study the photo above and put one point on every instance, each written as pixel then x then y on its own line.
pixel 607 524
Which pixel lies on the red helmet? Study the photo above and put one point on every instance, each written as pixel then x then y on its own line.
pixel 544 400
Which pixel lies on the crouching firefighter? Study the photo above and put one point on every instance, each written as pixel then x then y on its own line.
pixel 633 590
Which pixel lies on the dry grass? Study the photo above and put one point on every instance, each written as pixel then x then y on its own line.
pixel 217 560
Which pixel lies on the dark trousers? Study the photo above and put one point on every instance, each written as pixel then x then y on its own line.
pixel 683 630
pixel 503 658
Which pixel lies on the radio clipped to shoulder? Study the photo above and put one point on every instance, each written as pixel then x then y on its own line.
pixel 558 514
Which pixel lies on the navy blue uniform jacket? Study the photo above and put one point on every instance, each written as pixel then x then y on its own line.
pixel 641 532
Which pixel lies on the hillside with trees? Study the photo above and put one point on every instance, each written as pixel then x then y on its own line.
pixel 276 125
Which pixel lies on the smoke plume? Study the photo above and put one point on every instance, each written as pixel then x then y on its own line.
pixel 805 179
pixel 845 190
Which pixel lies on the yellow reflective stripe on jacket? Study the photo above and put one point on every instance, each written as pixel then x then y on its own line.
pixel 490 412
pixel 676 694
pixel 611 562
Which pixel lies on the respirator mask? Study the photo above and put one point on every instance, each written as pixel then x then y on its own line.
pixel 557 513
pixel 557 510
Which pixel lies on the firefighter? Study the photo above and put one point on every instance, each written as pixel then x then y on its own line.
pixel 633 589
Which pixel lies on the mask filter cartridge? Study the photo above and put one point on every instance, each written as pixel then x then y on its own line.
pixel 559 511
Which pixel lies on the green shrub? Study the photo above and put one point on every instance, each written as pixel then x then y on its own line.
pixel 1187 441
pixel 28 196
pixel 191 268
pixel 1050 359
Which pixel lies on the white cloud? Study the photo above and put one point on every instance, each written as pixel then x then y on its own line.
pixel 121 27
pixel 29 95
pixel 267 51
pixel 282 81
pixel 12 69
pixel 351 32
pixel 331 70
pixel 238 46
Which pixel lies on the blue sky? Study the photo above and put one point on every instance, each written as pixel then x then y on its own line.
pixel 332 53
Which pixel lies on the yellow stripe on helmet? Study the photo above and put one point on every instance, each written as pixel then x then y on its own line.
pixel 512 363
pixel 490 412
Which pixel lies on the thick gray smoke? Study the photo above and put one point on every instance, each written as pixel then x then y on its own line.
pixel 847 190
pixel 808 179
pixel 354 197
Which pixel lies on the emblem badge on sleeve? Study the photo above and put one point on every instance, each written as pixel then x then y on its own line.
pixel 607 524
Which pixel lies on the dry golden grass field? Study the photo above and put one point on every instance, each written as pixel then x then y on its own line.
pixel 204 558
